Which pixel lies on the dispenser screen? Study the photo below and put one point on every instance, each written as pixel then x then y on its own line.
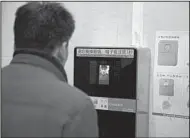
pixel 109 73
pixel 106 72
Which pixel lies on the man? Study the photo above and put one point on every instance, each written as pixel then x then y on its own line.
pixel 36 99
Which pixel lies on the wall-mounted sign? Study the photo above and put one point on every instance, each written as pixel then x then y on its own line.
pixel 118 53
pixel 171 80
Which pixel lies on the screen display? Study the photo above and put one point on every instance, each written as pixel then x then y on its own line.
pixel 113 77
pixel 104 74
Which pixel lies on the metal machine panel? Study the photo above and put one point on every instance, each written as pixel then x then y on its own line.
pixel 143 91
pixel 117 80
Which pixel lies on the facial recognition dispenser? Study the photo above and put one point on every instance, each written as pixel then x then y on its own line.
pixel 117 80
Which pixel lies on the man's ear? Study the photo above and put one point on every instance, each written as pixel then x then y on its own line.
pixel 66 44
pixel 59 48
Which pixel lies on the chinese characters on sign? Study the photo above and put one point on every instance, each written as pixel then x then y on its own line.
pixel 171 84
pixel 127 53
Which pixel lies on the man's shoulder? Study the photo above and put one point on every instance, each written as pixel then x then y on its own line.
pixel 70 95
pixel 71 90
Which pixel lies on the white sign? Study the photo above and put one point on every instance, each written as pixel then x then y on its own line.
pixel 117 53
pixel 171 84
pixel 100 103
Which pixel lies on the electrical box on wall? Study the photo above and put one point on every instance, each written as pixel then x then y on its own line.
pixel 117 80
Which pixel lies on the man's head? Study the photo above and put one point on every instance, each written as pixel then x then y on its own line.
pixel 44 27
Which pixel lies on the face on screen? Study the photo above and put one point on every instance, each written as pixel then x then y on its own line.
pixel 104 70
pixel 104 74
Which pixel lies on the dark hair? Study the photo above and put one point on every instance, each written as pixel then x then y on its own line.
pixel 42 25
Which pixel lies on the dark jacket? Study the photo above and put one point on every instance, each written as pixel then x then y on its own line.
pixel 38 102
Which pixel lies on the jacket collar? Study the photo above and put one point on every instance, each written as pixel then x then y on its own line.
pixel 40 59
